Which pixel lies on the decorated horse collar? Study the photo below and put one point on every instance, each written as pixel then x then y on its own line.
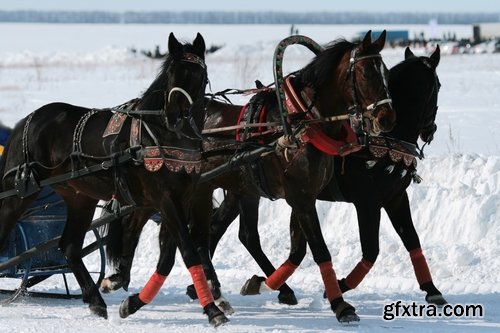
pixel 396 150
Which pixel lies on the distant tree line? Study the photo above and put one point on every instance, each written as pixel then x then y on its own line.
pixel 219 17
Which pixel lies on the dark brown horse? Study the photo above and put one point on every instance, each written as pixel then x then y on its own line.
pixel 343 77
pixel 371 179
pixel 153 162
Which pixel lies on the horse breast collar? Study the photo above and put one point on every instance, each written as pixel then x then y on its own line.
pixel 396 150
pixel 153 157
pixel 175 159
pixel 313 133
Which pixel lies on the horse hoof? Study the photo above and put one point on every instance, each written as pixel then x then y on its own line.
pixel 191 292
pixel 252 286
pixel 99 310
pixel 224 306
pixel 130 305
pixel 436 299
pixel 218 320
pixel 349 318
pixel 345 313
pixel 215 315
pixel 287 298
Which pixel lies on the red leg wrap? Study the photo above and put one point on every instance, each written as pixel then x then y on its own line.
pixel 330 280
pixel 152 288
pixel 420 266
pixel 358 273
pixel 278 278
pixel 201 285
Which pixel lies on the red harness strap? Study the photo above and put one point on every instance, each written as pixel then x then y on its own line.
pixel 319 139
pixel 240 117
pixel 259 131
pixel 313 133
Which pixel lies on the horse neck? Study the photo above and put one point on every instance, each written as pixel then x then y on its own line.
pixel 409 113
pixel 331 103
pixel 220 114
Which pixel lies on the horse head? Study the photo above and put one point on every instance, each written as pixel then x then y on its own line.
pixel 414 85
pixel 179 87
pixel 352 78
pixel 186 74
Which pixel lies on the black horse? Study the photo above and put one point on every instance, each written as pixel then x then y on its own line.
pixel 371 179
pixel 343 77
pixel 67 142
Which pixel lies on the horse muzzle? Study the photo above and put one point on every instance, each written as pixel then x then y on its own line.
pixel 384 120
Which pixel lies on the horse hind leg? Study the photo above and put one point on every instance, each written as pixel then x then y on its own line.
pixel 11 210
pixel 80 212
pixel 122 239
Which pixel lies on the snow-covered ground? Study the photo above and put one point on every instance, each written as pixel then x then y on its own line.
pixel 455 209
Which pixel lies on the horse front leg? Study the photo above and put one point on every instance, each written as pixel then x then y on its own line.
pixel 176 224
pixel 398 210
pixel 368 226
pixel 165 264
pixel 249 237
pixel 200 218
pixel 258 284
pixel 221 219
pixel 309 223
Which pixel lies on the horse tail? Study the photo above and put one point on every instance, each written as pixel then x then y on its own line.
pixel 114 240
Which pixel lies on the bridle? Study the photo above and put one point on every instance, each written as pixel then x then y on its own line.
pixel 361 119
pixel 431 127
pixel 188 115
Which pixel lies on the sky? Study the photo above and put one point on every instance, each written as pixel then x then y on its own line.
pixel 464 6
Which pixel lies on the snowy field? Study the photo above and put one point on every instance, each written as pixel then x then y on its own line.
pixel 455 209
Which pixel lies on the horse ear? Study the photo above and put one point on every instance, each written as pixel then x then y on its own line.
pixel 367 40
pixel 408 53
pixel 380 42
pixel 174 46
pixel 435 56
pixel 199 45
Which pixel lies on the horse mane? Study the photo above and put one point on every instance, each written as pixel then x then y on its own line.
pixel 319 70
pixel 154 96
